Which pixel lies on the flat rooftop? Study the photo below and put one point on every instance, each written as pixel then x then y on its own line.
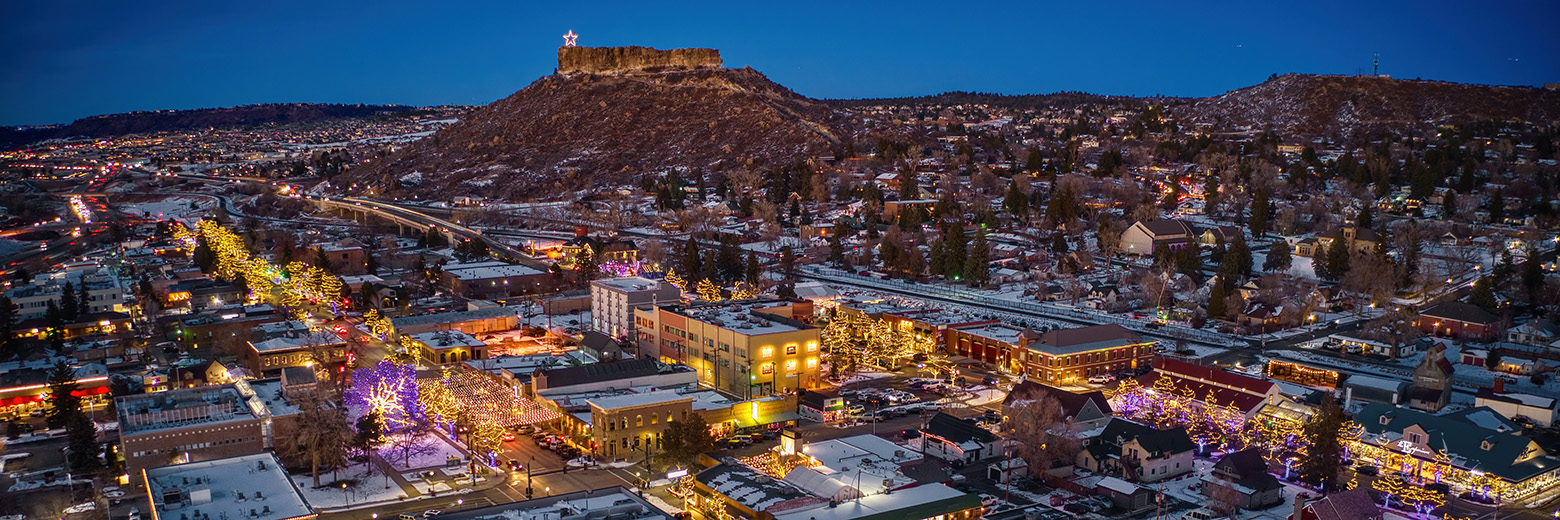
pixel 995 332
pixel 487 270
pixel 226 489
pixel 187 407
pixel 740 319
pixel 615 503
pixel 629 283
pixel 448 339
pixel 635 400
pixel 455 317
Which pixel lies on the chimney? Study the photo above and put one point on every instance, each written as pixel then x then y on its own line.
pixel 1500 385
pixel 1299 506
pixel 581 231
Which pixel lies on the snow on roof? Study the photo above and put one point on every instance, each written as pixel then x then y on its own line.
pixel 1118 485
pixel 871 505
pixel 229 488
pixel 636 400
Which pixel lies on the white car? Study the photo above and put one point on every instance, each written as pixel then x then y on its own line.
pixel 988 500
pixel 1102 379
pixel 81 508
pixel 431 513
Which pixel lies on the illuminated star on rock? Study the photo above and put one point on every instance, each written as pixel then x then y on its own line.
pixel 569 38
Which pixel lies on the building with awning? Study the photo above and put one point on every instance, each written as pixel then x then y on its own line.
pixel 21 391
pixel 1475 450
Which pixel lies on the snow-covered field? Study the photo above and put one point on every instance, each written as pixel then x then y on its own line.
pixel 436 457
pixel 370 488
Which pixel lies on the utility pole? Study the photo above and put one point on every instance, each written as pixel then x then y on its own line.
pixel 1375 65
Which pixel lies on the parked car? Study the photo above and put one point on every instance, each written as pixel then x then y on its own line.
pixel 1102 379
pixel 431 513
pixel 992 415
pixel 989 381
pixel 988 500
pixel 509 436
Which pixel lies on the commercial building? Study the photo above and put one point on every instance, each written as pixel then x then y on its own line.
pixel 246 486
pixel 475 321
pixel 1475 450
pixel 746 349
pixel 606 503
pixel 953 439
pixel 612 303
pixel 731 490
pixel 267 358
pixel 630 426
pixel 190 425
pixel 1066 355
pixel 449 346
pixel 1459 320
pixel 494 279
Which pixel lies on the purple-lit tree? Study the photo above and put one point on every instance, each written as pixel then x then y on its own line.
pixel 390 389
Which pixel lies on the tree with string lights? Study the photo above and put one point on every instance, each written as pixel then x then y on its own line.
pixel 389 389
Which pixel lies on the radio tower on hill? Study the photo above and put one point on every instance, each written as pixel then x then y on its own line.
pixel 1375 64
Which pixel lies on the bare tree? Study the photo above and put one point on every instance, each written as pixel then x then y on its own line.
pixel 1036 428
pixel 321 433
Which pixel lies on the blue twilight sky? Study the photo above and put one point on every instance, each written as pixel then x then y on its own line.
pixel 65 59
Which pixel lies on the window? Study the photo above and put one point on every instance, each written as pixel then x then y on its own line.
pixel 812 346
pixel 790 366
pixel 1413 437
pixel 766 352
pixel 639 420
pixel 766 368
pixel 653 418
pixel 812 362
pixel 790 350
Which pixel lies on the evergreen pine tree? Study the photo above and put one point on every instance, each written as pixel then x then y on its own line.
pixel 752 268
pixel 1324 465
pixel 908 190
pixel 1261 210
pixel 955 251
pixel 836 246
pixel 935 264
pixel 1217 305
pixel 81 437
pixel 1337 259
pixel 1449 203
pixel 84 302
pixel 9 346
pixel 692 262
pixel 977 267
pixel 1059 244
pixel 1498 207
pixel 728 261
pixel 62 405
pixel 1016 203
pixel 1278 258
pixel 68 309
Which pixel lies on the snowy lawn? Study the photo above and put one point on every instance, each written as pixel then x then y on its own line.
pixel 433 452
pixel 369 487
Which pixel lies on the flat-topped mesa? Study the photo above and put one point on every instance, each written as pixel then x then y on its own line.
pixel 620 60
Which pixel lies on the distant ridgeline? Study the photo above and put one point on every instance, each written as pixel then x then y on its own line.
pixel 621 60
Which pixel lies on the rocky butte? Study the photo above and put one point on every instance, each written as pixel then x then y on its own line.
pixel 610 117
pixel 628 60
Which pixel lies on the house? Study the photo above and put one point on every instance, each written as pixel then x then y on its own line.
pixel 1247 394
pixel 1138 452
pixel 1245 474
pixel 1517 407
pixel 1215 235
pixel 1143 238
pixel 953 439
pixel 1354 504
pixel 1460 320
pixel 1357 239
pixel 1080 412
pixel 1536 333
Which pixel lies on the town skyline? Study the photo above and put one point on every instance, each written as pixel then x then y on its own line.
pixel 114 59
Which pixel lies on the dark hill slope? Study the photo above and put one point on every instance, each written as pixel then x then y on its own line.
pixel 565 133
pixel 1347 105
